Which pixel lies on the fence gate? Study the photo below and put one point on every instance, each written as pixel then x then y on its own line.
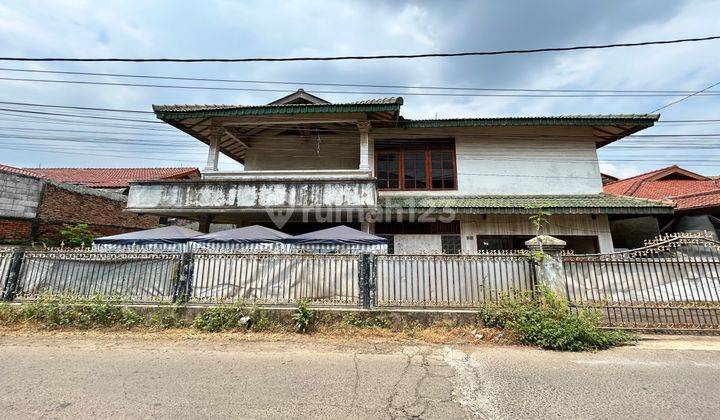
pixel 673 283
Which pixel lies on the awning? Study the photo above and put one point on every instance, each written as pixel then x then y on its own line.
pixel 337 235
pixel 245 235
pixel 163 235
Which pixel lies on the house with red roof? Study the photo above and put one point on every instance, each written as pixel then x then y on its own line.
pixel 696 199
pixel 116 179
pixel 34 207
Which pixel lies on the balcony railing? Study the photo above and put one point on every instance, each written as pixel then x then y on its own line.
pixel 255 191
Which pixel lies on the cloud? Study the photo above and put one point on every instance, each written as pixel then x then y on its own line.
pixel 258 28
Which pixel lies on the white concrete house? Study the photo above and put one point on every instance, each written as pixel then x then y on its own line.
pixel 443 185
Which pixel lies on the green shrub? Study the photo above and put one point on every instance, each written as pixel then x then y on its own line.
pixel 165 317
pixel 76 235
pixel 221 318
pixel 9 314
pixel 547 321
pixel 304 317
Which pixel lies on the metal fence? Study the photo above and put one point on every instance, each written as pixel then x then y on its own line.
pixel 6 256
pixel 451 280
pixel 270 278
pixel 142 276
pixel 672 283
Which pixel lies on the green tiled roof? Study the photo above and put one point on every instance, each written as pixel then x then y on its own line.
pixel 177 112
pixel 610 119
pixel 527 204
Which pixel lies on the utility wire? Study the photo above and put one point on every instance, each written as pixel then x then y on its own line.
pixel 376 86
pixel 365 57
pixel 686 97
pixel 349 92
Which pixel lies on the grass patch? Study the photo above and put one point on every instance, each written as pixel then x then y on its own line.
pixel 546 321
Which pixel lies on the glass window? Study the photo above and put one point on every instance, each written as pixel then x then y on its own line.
pixel 416 165
pixel 388 170
pixel 451 244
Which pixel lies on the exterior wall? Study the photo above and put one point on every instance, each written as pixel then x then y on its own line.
pixel 67 204
pixel 417 244
pixel 297 153
pixel 15 229
pixel 19 195
pixel 32 209
pixel 518 224
pixel 508 160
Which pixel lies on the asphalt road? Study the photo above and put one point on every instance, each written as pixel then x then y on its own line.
pixel 79 377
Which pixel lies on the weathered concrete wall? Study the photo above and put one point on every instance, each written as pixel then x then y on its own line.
pixel 417 244
pixel 519 224
pixel 249 194
pixel 19 195
pixel 297 153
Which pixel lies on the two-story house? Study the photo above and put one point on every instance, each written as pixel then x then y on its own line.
pixel 428 185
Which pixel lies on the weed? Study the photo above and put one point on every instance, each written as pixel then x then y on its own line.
pixel 304 317
pixel 362 320
pixel 546 321
pixel 221 318
pixel 64 311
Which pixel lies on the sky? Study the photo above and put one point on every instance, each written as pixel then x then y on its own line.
pixel 190 29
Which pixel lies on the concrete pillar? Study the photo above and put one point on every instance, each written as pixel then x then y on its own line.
pixel 548 262
pixel 204 222
pixel 364 128
pixel 366 227
pixel 214 150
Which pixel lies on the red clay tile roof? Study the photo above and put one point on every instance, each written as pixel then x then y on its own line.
pixel 19 171
pixel 693 192
pixel 111 177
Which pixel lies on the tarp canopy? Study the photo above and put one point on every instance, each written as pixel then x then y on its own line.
pixel 245 235
pixel 339 235
pixel 163 235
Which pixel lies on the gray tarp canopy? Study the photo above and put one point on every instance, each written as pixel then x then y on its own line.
pixel 245 235
pixel 338 235
pixel 163 235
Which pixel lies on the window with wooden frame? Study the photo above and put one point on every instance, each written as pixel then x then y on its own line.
pixel 415 165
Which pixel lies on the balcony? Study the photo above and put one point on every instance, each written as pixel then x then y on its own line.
pixel 255 191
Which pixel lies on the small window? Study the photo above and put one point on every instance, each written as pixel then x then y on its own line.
pixel 451 244
pixel 416 165
pixel 388 170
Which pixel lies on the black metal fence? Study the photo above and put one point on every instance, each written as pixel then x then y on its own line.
pixel 673 283
pixel 138 276
pixel 270 278
pixel 451 280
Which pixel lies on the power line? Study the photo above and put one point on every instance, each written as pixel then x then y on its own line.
pixel 77 107
pixel 348 92
pixel 686 97
pixel 366 57
pixel 376 86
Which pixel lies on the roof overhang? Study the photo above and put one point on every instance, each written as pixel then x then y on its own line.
pixel 529 204
pixel 605 128
pixel 236 124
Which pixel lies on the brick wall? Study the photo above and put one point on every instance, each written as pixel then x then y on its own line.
pixel 65 204
pixel 15 230
pixel 27 202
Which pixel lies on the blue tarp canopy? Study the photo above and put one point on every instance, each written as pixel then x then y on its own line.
pixel 337 235
pixel 246 235
pixel 163 235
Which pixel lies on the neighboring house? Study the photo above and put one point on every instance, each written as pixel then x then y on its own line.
pixel 113 179
pixel 606 179
pixel 437 185
pixel 696 198
pixel 34 208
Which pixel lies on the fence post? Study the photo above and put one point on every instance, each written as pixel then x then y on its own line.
pixel 365 280
pixel 546 252
pixel 12 275
pixel 182 286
